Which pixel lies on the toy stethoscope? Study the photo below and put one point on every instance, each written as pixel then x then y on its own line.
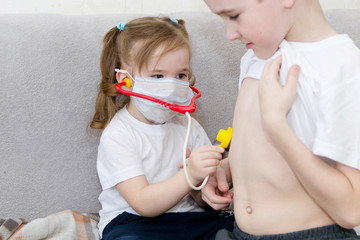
pixel 174 107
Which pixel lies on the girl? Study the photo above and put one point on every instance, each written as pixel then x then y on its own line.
pixel 145 195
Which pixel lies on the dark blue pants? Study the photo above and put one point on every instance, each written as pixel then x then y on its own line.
pixel 331 232
pixel 172 226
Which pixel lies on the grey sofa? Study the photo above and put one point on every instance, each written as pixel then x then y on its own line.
pixel 49 71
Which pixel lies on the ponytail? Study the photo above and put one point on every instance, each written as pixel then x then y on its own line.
pixel 106 104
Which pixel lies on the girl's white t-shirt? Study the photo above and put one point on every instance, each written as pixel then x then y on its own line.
pixel 130 148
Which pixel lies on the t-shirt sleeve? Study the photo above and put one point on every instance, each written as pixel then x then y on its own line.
pixel 249 67
pixel 117 160
pixel 338 126
pixel 252 67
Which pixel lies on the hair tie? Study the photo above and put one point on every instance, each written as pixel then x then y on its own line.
pixel 174 20
pixel 121 26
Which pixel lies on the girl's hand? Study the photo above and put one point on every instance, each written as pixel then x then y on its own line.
pixel 180 164
pixel 276 99
pixel 203 162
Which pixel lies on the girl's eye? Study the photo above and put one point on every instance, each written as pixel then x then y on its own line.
pixel 181 76
pixel 157 76
pixel 234 17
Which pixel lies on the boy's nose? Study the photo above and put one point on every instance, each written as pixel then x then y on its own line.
pixel 232 33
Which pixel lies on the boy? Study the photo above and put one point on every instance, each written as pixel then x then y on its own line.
pixel 295 152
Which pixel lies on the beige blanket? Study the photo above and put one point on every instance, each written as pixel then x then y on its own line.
pixel 66 225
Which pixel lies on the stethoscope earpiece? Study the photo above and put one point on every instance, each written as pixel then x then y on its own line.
pixel 127 82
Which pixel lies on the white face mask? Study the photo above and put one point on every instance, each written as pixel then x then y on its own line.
pixel 168 89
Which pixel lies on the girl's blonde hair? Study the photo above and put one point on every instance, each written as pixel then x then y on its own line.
pixel 147 34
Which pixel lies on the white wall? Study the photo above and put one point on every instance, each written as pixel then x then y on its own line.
pixel 102 6
pixel 133 6
pixel 333 4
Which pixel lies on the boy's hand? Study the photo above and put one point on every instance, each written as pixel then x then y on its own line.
pixel 203 162
pixel 276 99
pixel 216 191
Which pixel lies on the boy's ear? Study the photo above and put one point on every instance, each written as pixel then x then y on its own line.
pixel 289 3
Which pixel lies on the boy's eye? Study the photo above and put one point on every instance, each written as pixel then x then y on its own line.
pixel 234 17
pixel 157 76
pixel 181 76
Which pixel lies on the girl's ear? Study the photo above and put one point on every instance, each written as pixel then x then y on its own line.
pixel 123 76
pixel 288 3
pixel 120 76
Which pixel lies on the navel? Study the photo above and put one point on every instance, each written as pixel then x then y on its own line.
pixel 249 210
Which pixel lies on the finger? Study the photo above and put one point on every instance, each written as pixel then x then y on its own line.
pixel 293 77
pixel 216 206
pixel 272 68
pixel 180 164
pixel 225 208
pixel 210 156
pixel 188 152
pixel 276 63
pixel 215 199
pixel 222 181
pixel 210 196
pixel 209 171
pixel 228 194
pixel 209 163
pixel 212 149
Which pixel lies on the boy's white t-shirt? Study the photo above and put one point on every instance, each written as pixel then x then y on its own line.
pixel 326 112
pixel 129 148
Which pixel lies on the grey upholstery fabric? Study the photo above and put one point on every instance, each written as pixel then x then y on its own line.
pixel 49 71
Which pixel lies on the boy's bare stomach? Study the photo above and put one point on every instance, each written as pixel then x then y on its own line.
pixel 268 198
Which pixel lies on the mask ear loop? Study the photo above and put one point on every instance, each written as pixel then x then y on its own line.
pixel 184 158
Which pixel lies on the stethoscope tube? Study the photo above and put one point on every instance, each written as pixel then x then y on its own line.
pixel 174 107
